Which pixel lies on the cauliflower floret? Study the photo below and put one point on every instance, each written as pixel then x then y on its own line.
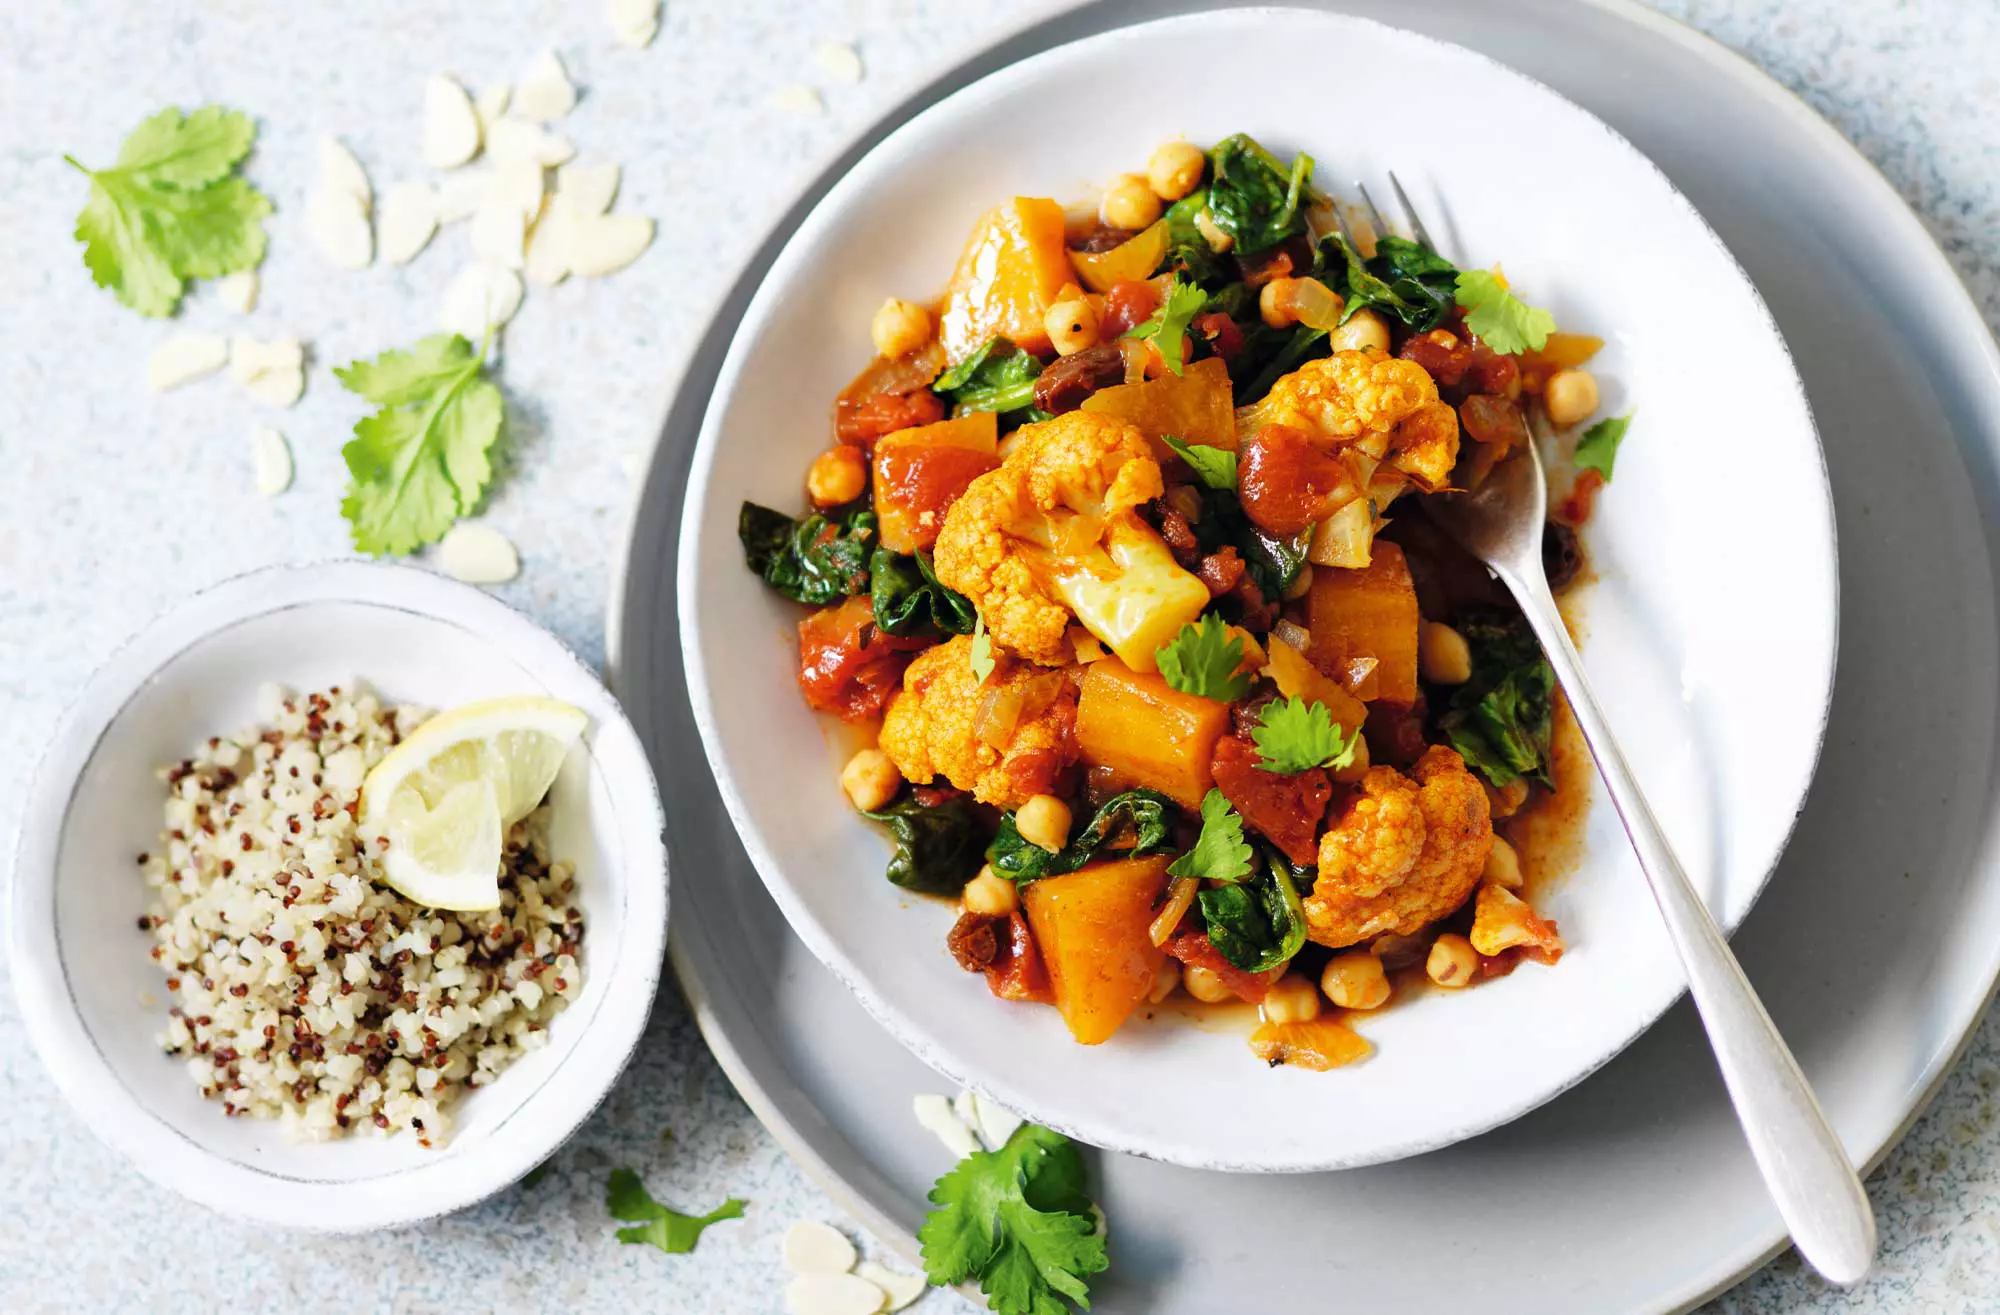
pixel 1384 407
pixel 1407 851
pixel 1055 533
pixel 933 726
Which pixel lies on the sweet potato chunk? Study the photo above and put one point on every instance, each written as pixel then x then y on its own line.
pixel 1195 407
pixel 1367 612
pixel 920 472
pixel 1143 732
pixel 1091 926
pixel 1006 280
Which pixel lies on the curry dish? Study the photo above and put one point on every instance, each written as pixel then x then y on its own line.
pixel 1119 552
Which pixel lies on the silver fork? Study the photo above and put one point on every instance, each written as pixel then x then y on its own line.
pixel 1804 1167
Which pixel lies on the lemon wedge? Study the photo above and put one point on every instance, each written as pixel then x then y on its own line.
pixel 445 796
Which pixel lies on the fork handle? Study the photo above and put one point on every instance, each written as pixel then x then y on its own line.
pixel 1808 1173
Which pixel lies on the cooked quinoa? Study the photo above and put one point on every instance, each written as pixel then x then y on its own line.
pixel 303 989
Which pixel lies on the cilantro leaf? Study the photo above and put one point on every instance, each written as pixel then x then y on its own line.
pixel 1598 448
pixel 627 1199
pixel 1220 853
pixel 982 650
pixel 1292 735
pixel 1500 319
pixel 1009 1219
pixel 170 209
pixel 1168 325
pixel 419 462
pixel 1202 660
pixel 1214 466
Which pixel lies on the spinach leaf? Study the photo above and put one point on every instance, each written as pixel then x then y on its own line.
pixel 1188 252
pixel 817 560
pixel 997 377
pixel 1274 562
pixel 909 600
pixel 1149 815
pixel 1404 280
pixel 1257 925
pixel 1252 197
pixel 1276 353
pixel 1499 721
pixel 937 847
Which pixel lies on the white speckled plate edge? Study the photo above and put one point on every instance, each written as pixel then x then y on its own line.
pixel 590 1059
pixel 1676 1271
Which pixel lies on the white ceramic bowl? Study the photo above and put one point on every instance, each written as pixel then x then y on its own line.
pixel 1710 632
pixel 93 999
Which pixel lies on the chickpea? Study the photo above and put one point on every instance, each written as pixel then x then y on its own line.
pixel 900 327
pixel 1043 822
pixel 837 475
pixel 1365 330
pixel 1442 654
pixel 1452 961
pixel 1274 303
pixel 1569 397
pixel 1357 769
pixel 1166 981
pixel 1503 865
pixel 1355 980
pixel 1292 999
pixel 990 893
pixel 1130 203
pixel 1506 800
pixel 1211 232
pixel 1205 984
pixel 1175 170
pixel 1071 325
pixel 870 780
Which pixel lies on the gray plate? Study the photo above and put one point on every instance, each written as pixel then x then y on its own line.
pixel 1876 947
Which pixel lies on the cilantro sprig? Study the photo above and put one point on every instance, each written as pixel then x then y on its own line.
pixel 1293 736
pixel 1220 852
pixel 421 460
pixel 173 208
pixel 1168 326
pixel 1017 1220
pixel 1202 660
pixel 653 1224
pixel 1213 466
pixel 1500 319
pixel 1597 449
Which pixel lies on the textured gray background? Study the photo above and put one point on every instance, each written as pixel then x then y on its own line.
pixel 115 503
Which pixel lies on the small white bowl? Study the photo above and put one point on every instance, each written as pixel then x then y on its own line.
pixel 95 1002
pixel 1710 630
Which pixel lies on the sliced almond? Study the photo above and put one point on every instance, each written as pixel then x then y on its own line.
pixel 545 93
pixel 815 1248
pixel 451 125
pixel 491 106
pixel 589 188
pixel 249 358
pixel 516 139
pixel 548 244
pixel 459 194
pixel 279 388
pixel 480 298
pixel 409 217
pixel 604 244
pixel 517 183
pixel 798 99
pixel 961 1105
pixel 273 456
pixel 839 62
pixel 338 226
pixel 499 234
pixel 833 1294
pixel 339 171
pixel 995 1122
pixel 184 358
pixel 903 1289
pixel 478 554
pixel 634 22
pixel 935 1114
pixel 239 291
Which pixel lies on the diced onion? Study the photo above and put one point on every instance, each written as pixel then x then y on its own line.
pixel 1179 896
pixel 1314 304
pixel 1291 632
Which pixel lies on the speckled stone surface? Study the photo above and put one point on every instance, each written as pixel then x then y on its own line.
pixel 115 503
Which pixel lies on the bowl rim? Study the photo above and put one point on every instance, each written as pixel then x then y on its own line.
pixel 566 1095
pixel 764 304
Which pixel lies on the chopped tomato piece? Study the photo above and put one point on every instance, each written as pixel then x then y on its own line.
pixel 864 419
pixel 1194 949
pixel 847 666
pixel 1287 809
